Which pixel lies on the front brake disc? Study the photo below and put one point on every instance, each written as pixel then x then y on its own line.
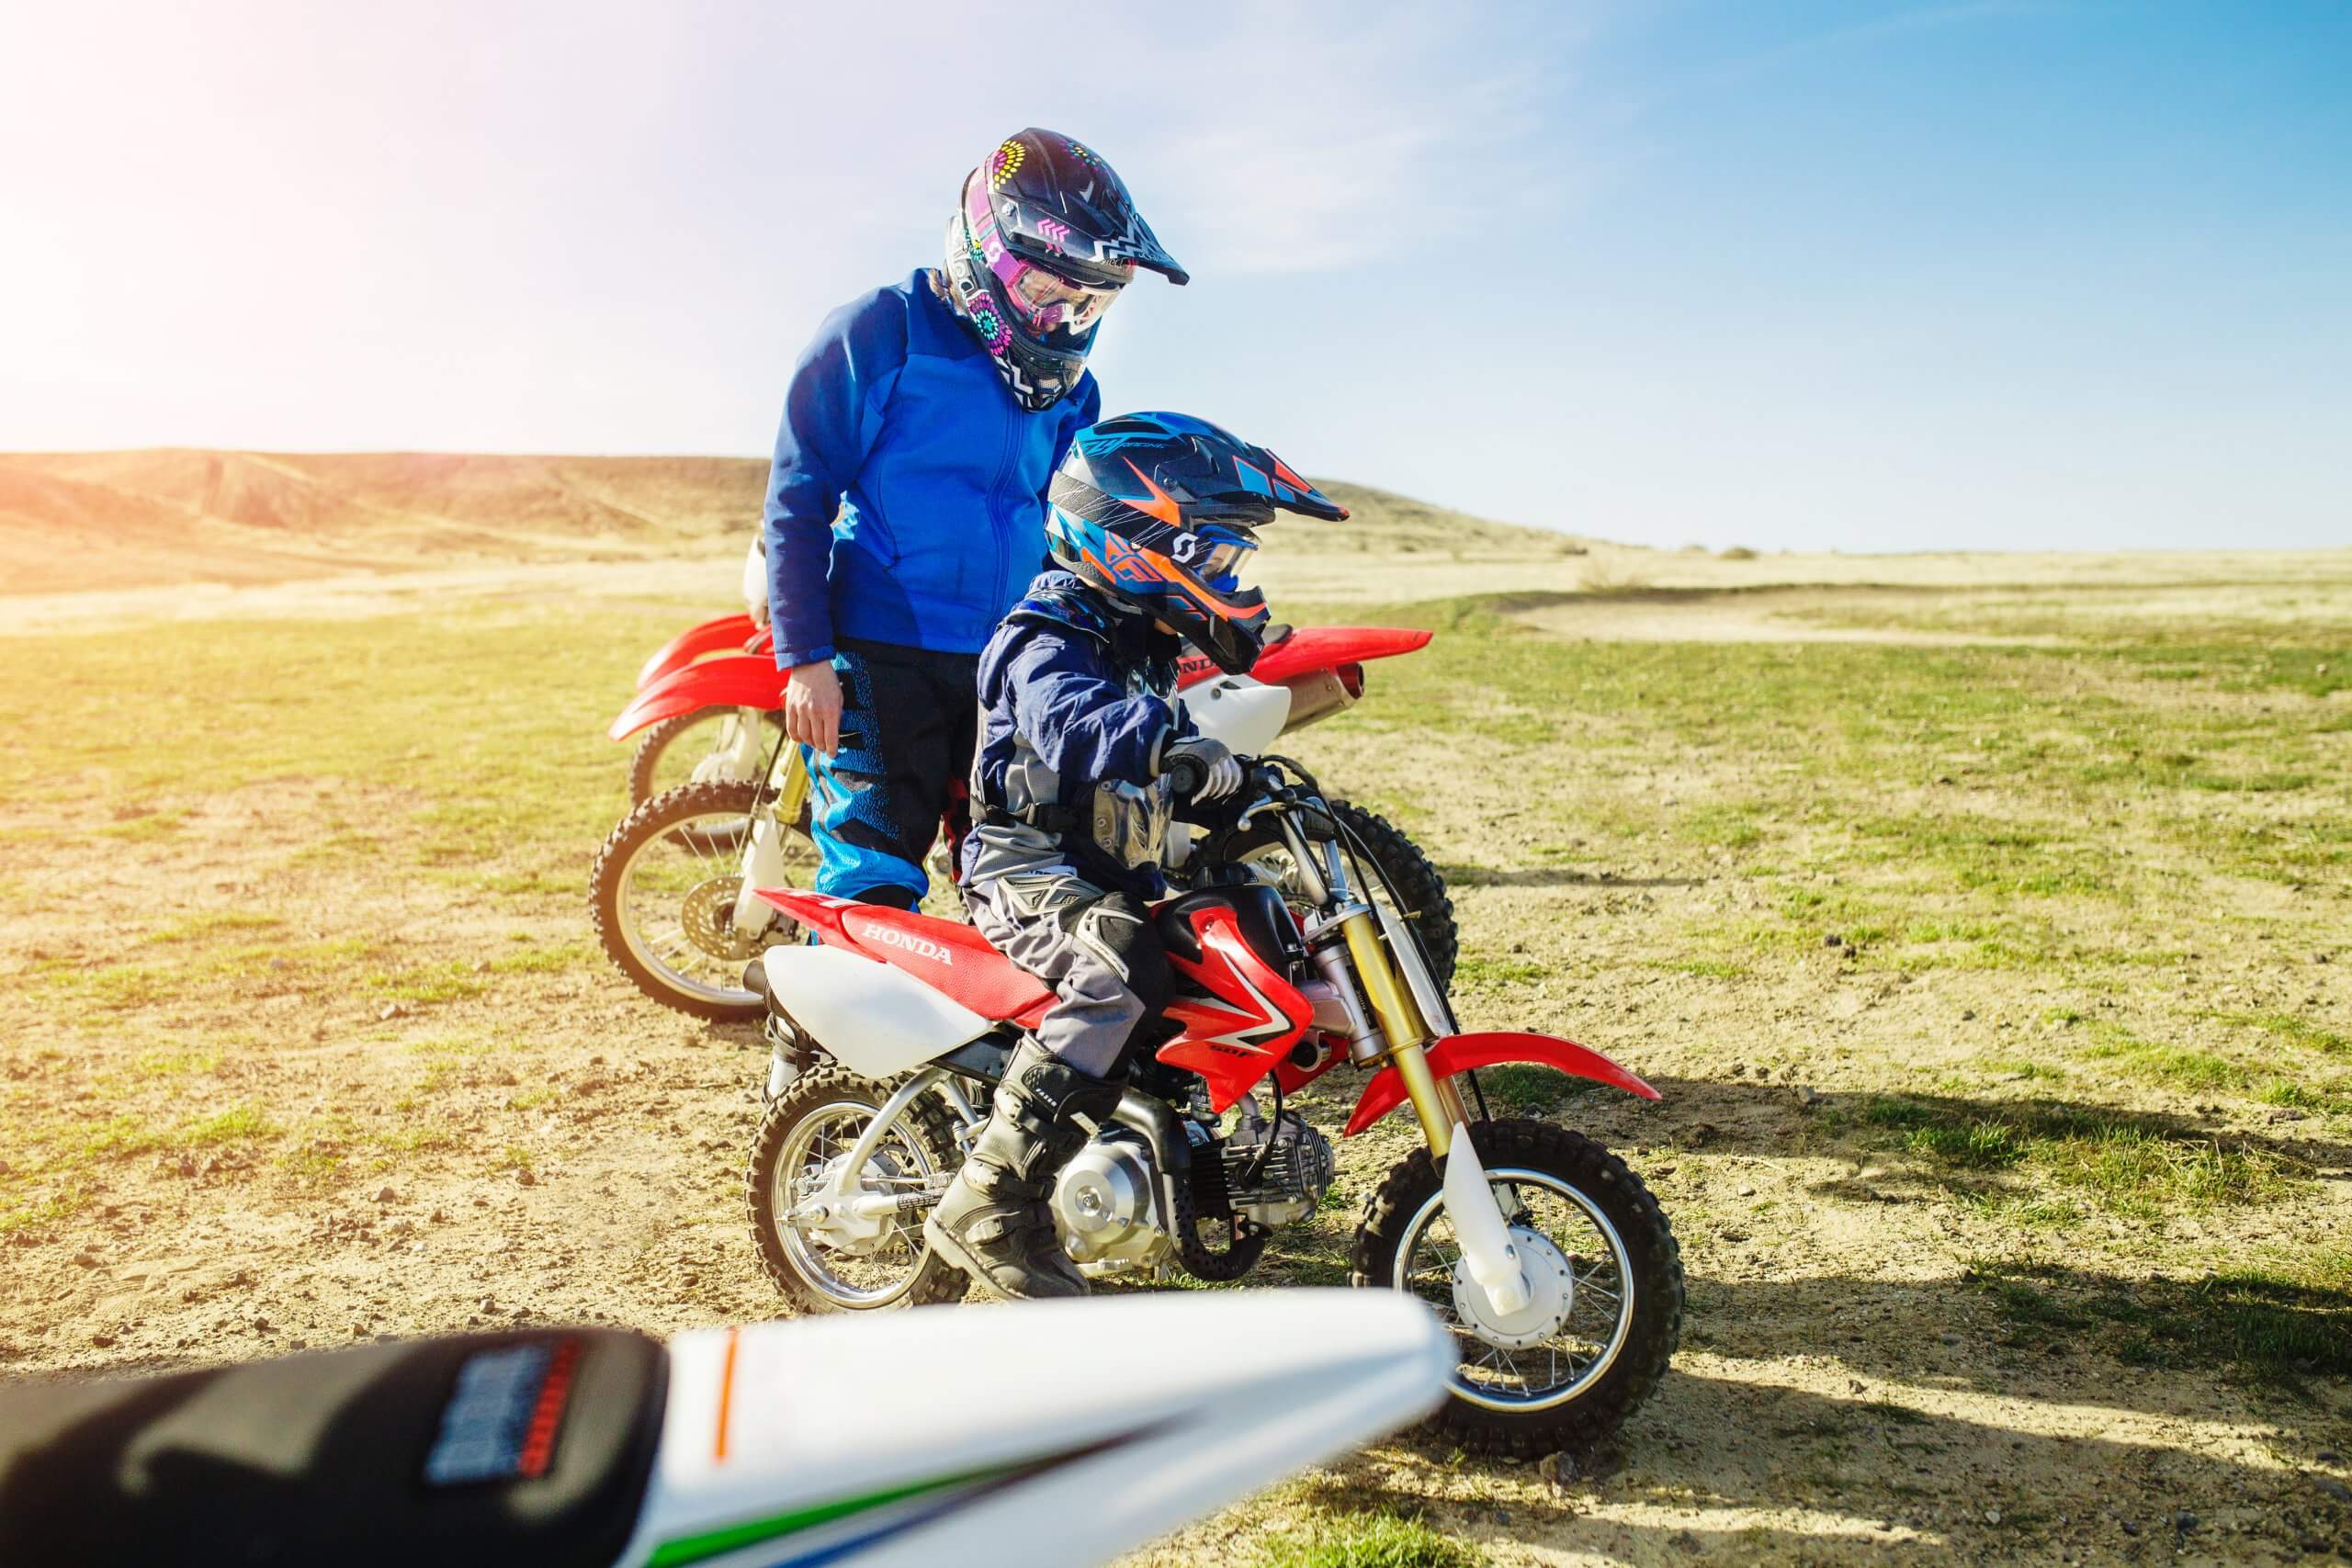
pixel 709 917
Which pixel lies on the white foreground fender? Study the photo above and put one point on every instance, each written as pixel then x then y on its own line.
pixel 978 1438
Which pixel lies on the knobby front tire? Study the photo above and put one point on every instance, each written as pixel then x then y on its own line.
pixel 1548 1157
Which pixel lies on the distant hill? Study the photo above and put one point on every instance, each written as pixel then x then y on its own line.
pixel 128 519
pixel 106 520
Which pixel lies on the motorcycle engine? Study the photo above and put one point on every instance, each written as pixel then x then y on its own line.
pixel 1292 1178
pixel 1105 1207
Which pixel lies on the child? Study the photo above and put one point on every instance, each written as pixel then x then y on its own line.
pixel 906 506
pixel 1079 734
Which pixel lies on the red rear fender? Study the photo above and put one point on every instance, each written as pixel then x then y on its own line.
pixel 727 634
pixel 1310 649
pixel 1326 648
pixel 1459 1052
pixel 741 681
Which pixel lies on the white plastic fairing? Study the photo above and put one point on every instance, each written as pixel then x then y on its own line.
pixel 926 1438
pixel 877 1021
pixel 1246 714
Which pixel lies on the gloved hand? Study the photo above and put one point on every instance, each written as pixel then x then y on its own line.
pixel 1218 769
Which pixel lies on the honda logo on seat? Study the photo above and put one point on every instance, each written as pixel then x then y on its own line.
pixel 907 941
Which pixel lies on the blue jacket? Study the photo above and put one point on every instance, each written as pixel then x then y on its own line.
pixel 1089 692
pixel 897 418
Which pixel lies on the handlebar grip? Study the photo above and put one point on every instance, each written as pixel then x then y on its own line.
pixel 1185 775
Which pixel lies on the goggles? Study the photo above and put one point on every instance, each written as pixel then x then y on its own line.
pixel 1050 303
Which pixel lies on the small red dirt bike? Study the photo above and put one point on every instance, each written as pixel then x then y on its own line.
pixel 672 893
pixel 1545 1256
pixel 698 734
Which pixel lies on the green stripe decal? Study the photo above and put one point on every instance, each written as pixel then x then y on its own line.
pixel 714 1543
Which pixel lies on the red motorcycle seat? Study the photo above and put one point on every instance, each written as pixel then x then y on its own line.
pixel 952 959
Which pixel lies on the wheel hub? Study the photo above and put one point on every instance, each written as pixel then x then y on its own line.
pixel 1551 1286
pixel 708 917
pixel 824 1215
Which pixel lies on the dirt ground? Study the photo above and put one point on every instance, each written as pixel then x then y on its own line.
pixel 1984 921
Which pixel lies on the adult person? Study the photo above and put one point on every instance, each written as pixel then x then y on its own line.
pixel 906 507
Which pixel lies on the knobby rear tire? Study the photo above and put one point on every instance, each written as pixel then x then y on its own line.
pixel 935 1280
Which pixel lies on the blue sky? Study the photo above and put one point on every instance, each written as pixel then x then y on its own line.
pixel 1997 276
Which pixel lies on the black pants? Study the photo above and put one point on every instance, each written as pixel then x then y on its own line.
pixel 909 720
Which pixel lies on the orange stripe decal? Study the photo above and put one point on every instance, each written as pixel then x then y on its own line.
pixel 1161 505
pixel 726 1400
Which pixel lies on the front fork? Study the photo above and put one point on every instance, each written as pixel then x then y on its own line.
pixel 1397 1003
pixel 763 864
pixel 737 754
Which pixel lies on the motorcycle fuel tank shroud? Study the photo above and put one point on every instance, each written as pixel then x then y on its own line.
pixel 1239 1014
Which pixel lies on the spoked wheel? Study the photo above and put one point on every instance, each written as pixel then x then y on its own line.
pixel 1414 887
pixel 823 1254
pixel 1607 1313
pixel 662 897
pixel 707 746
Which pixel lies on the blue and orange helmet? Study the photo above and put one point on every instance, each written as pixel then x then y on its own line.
pixel 1160 510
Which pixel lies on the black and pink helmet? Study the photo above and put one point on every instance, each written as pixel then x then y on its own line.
pixel 1042 241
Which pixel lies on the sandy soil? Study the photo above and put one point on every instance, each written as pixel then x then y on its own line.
pixel 554 1148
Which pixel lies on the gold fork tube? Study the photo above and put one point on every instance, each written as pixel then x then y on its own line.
pixel 1390 1002
pixel 791 780
pixel 1437 1103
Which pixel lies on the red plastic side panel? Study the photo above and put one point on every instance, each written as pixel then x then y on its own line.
pixel 741 682
pixel 1459 1052
pixel 952 959
pixel 727 634
pixel 1242 1035
pixel 821 912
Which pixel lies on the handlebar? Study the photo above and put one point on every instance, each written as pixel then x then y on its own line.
pixel 1185 776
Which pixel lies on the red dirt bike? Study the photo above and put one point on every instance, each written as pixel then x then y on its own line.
pixel 699 737
pixel 1548 1259
pixel 671 895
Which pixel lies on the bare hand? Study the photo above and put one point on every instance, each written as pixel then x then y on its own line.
pixel 812 707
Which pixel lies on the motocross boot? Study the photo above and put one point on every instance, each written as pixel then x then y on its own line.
pixel 994 1221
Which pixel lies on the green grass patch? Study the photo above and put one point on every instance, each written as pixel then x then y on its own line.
pixel 2295 1031
pixel 2137 1166
pixel 1368 1540
pixel 146 828
pixel 1527 1087
pixel 1485 969
pixel 2277 1325
pixel 212 923
pixel 426 984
